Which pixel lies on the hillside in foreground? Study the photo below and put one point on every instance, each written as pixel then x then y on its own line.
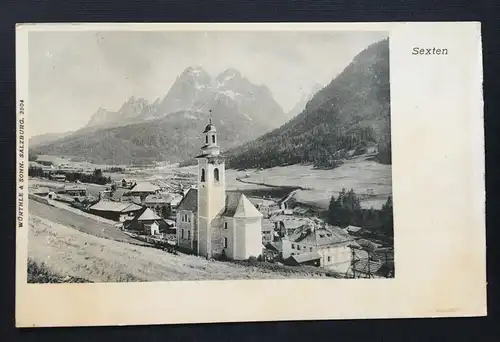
pixel 76 255
pixel 351 115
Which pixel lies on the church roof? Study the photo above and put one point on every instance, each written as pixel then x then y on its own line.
pixel 238 205
pixel 190 201
pixel 210 128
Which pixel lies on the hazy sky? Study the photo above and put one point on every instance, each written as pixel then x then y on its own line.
pixel 72 74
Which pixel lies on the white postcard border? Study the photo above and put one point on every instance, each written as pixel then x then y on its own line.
pixel 438 161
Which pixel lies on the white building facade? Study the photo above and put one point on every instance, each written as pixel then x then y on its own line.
pixel 217 223
pixel 332 245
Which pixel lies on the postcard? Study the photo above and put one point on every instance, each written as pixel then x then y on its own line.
pixel 195 173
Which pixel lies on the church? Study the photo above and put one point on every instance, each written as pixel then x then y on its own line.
pixel 211 222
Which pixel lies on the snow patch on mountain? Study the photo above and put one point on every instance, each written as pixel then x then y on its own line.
pixel 231 94
pixel 220 83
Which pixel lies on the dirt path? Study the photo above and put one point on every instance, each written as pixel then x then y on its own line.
pixel 81 223
pixel 68 252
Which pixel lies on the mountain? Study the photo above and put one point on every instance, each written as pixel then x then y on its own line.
pixel 47 138
pixel 194 89
pixel 175 137
pixel 133 110
pixel 350 115
pixel 305 98
pixel 255 101
pixel 142 132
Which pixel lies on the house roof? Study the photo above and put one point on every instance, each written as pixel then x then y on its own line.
pixel 367 245
pixel 158 199
pixel 190 201
pixel 304 257
pixel 353 229
pixel 115 206
pixel 267 226
pixel 261 201
pixel 290 222
pixel 365 266
pixel 41 190
pixel 144 187
pixel 320 236
pixel 148 215
pixel 274 246
pixel 238 205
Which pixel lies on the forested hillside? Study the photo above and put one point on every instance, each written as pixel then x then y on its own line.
pixel 349 115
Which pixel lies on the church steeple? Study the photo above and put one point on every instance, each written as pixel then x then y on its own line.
pixel 211 146
pixel 211 188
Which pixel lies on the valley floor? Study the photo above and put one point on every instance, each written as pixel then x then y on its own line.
pixel 360 174
pixel 66 253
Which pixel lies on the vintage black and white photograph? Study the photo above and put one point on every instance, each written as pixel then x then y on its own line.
pixel 211 172
pixel 209 155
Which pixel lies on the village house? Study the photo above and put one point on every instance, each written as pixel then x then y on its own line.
pixel 143 190
pixel 352 229
pixel 145 222
pixel 268 233
pixel 40 191
pixel 211 222
pixel 331 243
pixel 116 211
pixel 58 177
pixel 265 206
pixel 159 203
pixel 187 224
pixel 74 190
pixel 287 224
pixel 128 184
pixel 308 258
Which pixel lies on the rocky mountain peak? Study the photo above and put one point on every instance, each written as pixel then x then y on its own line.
pixel 227 76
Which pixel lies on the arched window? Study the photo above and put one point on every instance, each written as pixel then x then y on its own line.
pixel 202 175
pixel 216 174
pixel 213 139
pixel 206 139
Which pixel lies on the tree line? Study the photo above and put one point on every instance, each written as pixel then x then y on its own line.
pixel 345 210
pixel 96 177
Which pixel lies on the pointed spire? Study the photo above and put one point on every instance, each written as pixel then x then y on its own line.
pixel 210 117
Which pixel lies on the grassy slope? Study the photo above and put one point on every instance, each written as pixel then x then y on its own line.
pixel 65 251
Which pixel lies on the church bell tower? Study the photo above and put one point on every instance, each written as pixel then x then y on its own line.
pixel 211 187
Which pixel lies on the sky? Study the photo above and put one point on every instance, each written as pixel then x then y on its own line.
pixel 73 73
